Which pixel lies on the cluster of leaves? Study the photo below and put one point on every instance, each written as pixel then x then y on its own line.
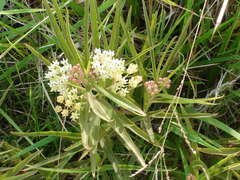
pixel 175 135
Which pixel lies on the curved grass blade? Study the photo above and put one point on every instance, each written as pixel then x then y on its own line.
pixel 166 98
pixel 220 151
pixel 125 167
pixel 37 54
pixel 221 126
pixel 163 114
pixel 38 144
pixel 15 170
pixel 21 177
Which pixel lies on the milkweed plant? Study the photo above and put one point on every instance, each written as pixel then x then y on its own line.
pixel 70 82
pixel 122 98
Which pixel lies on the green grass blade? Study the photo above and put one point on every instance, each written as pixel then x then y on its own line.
pixel 20 11
pixel 22 176
pixel 166 98
pixel 5 94
pixel 86 48
pixel 21 165
pixel 63 134
pixel 11 121
pixel 149 39
pixel 116 25
pixel 94 23
pixel 222 126
pixel 37 54
pixel 38 144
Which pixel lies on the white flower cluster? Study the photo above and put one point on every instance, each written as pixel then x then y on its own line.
pixel 69 101
pixel 58 75
pixel 132 68
pixel 106 66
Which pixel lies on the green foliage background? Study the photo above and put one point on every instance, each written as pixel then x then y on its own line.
pixel 198 116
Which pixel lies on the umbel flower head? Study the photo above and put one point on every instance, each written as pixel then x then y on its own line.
pixel 154 87
pixel 164 82
pixel 64 79
pixel 132 68
pixel 76 75
pixel 106 66
pixel 151 87
pixel 58 75
pixel 69 103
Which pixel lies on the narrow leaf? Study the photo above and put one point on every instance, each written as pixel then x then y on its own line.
pixel 121 101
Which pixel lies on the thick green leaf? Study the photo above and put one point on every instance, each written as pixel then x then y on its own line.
pixel 120 130
pixel 121 101
pixel 2 4
pixel 134 128
pixel 101 108
pixel 94 159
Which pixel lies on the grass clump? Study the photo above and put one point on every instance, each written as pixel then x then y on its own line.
pixel 118 89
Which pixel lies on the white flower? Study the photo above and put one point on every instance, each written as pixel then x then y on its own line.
pixel 58 75
pixel 71 94
pixel 134 81
pixel 58 109
pixel 106 66
pixel 74 116
pixel 132 68
pixel 119 84
pixel 60 99
pixel 68 103
pixel 65 113
pixel 123 92
pixel 77 106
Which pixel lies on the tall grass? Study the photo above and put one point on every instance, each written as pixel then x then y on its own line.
pixel 188 131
